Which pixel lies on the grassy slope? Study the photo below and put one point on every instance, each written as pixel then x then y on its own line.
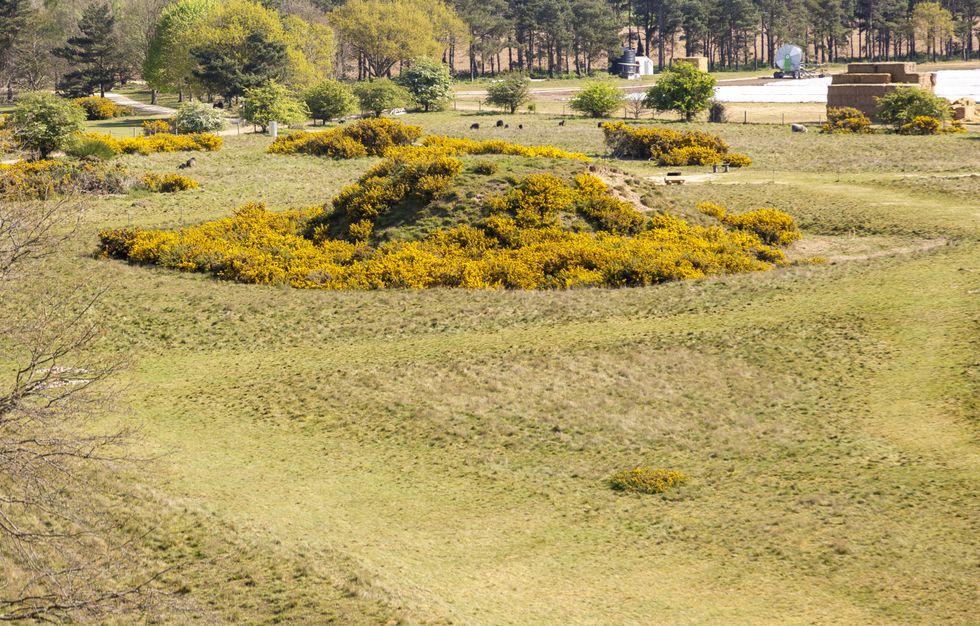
pixel 442 453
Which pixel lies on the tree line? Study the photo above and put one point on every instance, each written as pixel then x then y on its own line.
pixel 226 46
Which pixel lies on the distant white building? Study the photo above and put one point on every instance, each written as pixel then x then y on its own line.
pixel 646 66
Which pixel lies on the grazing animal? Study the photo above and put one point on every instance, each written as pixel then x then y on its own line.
pixel 474 127
pixel 520 127
pixel 500 123
pixel 506 125
pixel 188 163
pixel 561 123
pixel 798 128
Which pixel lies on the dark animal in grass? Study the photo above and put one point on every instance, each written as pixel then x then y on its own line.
pixel 474 127
pixel 520 127
pixel 500 123
pixel 506 125
pixel 187 164
pixel 561 123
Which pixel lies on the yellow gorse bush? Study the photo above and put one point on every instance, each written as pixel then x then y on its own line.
pixel 521 243
pixel 168 183
pixel 25 180
pixel 646 480
pixel 771 226
pixel 391 138
pixel 366 137
pixel 160 142
pixel 454 146
pixel 155 127
pixel 98 108
pixel 669 147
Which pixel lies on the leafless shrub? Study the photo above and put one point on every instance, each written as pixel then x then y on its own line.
pixel 57 534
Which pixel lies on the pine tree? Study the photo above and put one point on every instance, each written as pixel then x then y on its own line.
pixel 222 69
pixel 13 15
pixel 93 53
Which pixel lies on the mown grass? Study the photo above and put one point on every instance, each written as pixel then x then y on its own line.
pixel 442 456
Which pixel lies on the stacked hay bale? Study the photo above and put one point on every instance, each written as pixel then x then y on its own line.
pixel 699 62
pixel 965 110
pixel 864 82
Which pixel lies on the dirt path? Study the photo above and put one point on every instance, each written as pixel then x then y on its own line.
pixel 140 107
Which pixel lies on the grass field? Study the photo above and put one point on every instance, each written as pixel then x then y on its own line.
pixel 440 456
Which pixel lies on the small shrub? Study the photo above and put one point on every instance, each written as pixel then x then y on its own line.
pixel 330 99
pixel 198 117
pixel 485 168
pixel 597 99
pixel 91 147
pixel 168 183
pixel 43 122
pixel 922 125
pixel 155 127
pixel 648 480
pixel 845 120
pixel 717 112
pixel 381 95
pixel 682 88
pixel 902 106
pixel 510 93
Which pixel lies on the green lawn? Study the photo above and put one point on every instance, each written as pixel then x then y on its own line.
pixel 440 456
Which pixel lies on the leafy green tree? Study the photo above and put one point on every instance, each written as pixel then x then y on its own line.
pixel 930 21
pixel 93 54
pixel 272 102
pixel 428 81
pixel 511 92
pixel 384 32
pixel 312 50
pixel 597 99
pixel 904 104
pixel 43 123
pixel 329 100
pixel 682 88
pixel 169 64
pixel 381 95
pixel 223 70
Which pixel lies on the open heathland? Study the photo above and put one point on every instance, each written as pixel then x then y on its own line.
pixel 444 455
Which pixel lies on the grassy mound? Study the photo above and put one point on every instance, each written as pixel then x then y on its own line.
pixel 541 231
